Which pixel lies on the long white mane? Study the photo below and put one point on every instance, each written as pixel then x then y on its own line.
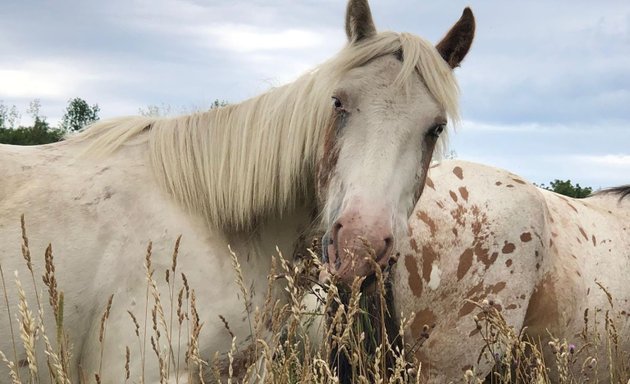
pixel 242 162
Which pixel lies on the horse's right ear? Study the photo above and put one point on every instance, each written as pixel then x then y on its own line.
pixel 359 23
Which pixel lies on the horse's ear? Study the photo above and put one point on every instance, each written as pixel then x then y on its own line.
pixel 359 23
pixel 455 45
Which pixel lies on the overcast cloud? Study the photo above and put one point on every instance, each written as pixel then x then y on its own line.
pixel 545 88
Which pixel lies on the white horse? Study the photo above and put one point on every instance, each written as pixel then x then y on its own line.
pixel 547 262
pixel 346 146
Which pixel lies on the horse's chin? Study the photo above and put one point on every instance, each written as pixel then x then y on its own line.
pixel 347 268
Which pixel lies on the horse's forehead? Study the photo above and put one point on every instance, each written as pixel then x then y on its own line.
pixel 378 74
pixel 374 87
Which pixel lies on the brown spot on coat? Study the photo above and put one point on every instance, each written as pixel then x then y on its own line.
pixel 453 196
pixel 459 172
pixel 594 241
pixel 430 184
pixel 519 181
pixel 483 254
pixel 508 263
pixel 496 288
pixel 465 262
pixel 526 236
pixel 569 204
pixel 474 290
pixel 414 244
pixel 329 159
pixel 478 293
pixel 466 309
pixel 498 183
pixel 414 281
pixel 583 232
pixel 422 318
pixel 428 256
pixel 422 215
pixel 542 312
pixel 508 247
pixel 464 192
pixel 458 215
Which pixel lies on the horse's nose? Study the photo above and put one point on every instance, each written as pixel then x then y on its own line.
pixel 355 238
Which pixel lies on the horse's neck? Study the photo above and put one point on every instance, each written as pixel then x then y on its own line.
pixel 283 234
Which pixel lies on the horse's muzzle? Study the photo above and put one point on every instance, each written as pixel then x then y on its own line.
pixel 356 246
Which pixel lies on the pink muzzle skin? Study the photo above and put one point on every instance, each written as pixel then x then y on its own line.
pixel 356 239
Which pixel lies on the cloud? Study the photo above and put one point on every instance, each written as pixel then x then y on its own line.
pixel 246 39
pixel 621 161
pixel 542 78
pixel 47 79
pixel 591 154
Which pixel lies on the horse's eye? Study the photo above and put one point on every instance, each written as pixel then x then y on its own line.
pixel 337 104
pixel 437 129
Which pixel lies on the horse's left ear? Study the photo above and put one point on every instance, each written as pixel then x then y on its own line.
pixel 359 23
pixel 455 45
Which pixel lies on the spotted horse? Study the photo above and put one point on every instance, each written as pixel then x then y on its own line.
pixel 547 262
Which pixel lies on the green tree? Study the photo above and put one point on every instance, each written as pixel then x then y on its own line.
pixel 39 133
pixel 34 110
pixel 78 114
pixel 218 103
pixel 9 117
pixel 564 187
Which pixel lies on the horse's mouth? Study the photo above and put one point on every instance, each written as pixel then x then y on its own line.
pixel 352 264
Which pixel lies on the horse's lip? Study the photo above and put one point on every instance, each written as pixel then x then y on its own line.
pixel 347 271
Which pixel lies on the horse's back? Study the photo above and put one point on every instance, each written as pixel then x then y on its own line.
pixel 588 254
pixel 13 160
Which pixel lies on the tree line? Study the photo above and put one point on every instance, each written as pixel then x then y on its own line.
pixel 79 113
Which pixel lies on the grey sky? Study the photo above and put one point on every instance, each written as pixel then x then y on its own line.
pixel 545 88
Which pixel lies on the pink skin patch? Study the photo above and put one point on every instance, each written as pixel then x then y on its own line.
pixel 358 239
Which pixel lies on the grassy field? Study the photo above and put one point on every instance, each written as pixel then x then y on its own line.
pixel 317 334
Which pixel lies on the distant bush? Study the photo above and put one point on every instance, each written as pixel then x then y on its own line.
pixel 564 187
pixel 39 133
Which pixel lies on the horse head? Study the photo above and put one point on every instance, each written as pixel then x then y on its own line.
pixel 388 116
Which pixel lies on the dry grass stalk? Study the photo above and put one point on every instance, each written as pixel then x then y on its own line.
pixel 13 371
pixel 101 335
pixel 11 365
pixel 282 351
pixel 28 330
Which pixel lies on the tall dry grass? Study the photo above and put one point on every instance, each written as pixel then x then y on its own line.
pixel 316 333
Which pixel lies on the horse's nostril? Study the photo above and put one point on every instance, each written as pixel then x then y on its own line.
pixel 389 242
pixel 335 232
